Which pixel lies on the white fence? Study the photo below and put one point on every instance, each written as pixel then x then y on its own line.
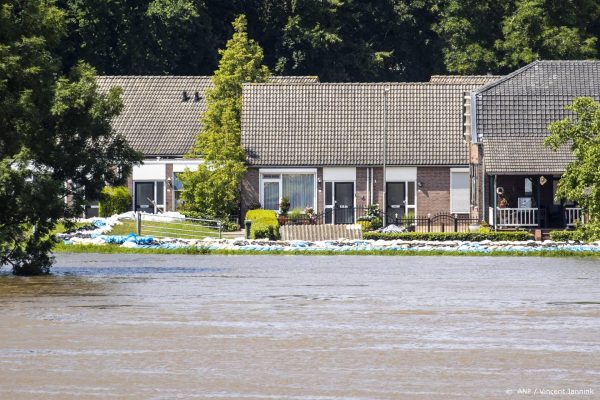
pixel 517 217
pixel 159 225
pixel 573 215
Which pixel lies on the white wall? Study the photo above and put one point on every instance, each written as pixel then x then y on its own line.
pixel 339 174
pixel 401 174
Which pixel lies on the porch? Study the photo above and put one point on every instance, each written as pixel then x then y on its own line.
pixel 528 201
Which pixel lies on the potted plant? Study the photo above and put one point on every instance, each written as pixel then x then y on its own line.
pixel 284 208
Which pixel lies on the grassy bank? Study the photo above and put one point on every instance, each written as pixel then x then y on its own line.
pixel 114 249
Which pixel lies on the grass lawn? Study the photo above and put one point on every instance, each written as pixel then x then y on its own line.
pixel 183 230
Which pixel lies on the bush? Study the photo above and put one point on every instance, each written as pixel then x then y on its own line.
pixel 585 233
pixel 441 236
pixel 371 224
pixel 264 224
pixel 114 200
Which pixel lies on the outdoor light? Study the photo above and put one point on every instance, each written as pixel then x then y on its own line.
pixel 169 182
pixel 420 184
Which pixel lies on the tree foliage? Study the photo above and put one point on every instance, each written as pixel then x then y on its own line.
pixel 581 180
pixel 213 189
pixel 56 140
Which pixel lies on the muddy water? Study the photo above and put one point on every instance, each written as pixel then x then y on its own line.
pixel 251 327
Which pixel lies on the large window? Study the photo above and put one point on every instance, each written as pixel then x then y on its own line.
pixel 459 191
pixel 298 188
pixel 177 189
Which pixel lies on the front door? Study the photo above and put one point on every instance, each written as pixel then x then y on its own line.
pixel 149 196
pixel 343 203
pixel 395 202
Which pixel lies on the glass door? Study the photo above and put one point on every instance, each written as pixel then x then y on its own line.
pixel 343 203
pixel 144 197
pixel 395 202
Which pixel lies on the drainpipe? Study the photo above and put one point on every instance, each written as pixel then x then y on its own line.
pixel 368 187
pixel 386 91
pixel 495 202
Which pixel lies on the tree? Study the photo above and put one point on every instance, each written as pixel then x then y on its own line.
pixel 213 189
pixel 56 140
pixel 581 179
pixel 542 29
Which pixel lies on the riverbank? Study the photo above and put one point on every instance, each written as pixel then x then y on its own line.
pixel 198 250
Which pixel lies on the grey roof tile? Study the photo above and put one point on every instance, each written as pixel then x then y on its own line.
pixel 342 124
pixel 464 79
pixel 155 119
pixel 513 113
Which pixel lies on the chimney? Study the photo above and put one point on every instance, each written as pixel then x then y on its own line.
pixel 185 96
pixel 197 96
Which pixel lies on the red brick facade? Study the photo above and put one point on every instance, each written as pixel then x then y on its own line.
pixel 432 198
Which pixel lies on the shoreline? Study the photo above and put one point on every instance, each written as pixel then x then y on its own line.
pixel 116 249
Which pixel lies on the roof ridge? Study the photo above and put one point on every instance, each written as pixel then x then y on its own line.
pixel 490 85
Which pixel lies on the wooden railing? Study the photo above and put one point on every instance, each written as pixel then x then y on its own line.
pixel 573 215
pixel 517 217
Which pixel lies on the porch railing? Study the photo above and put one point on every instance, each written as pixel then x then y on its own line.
pixel 517 217
pixel 574 215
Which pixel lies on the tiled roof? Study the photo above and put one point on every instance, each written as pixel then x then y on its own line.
pixel 513 156
pixel 513 113
pixel 342 124
pixel 156 120
pixel 465 79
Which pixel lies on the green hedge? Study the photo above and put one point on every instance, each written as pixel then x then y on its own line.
pixel 441 236
pixel 114 200
pixel 264 224
pixel 563 236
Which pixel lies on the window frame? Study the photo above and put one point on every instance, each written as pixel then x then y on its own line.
pixel 468 197
pixel 280 173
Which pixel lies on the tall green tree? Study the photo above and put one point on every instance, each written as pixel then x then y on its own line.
pixel 581 180
pixel 56 140
pixel 213 189
pixel 543 29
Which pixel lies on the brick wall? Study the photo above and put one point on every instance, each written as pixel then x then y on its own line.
pixel 361 187
pixel 250 190
pixel 320 206
pixel 169 206
pixel 434 196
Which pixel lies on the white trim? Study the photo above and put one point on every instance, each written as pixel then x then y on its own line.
pixel 339 174
pixel 154 182
pixel 285 171
pixel 149 172
pixel 401 174
pixel 182 165
pixel 460 171
pixel 275 171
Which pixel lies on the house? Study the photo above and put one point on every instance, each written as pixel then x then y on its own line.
pixel 514 176
pixel 161 118
pixel 324 146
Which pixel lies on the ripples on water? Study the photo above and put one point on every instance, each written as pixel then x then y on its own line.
pixel 274 327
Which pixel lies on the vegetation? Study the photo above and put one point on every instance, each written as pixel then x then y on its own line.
pixel 63 248
pixel 581 179
pixel 264 224
pixel 441 236
pixel 213 189
pixel 350 40
pixel 114 200
pixel 54 129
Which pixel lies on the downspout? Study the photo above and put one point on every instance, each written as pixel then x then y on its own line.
pixel 385 128
pixel 495 202
pixel 368 188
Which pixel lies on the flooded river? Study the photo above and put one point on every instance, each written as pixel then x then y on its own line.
pixel 285 327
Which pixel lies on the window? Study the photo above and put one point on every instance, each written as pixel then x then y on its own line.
pixel 528 186
pixel 298 188
pixel 177 189
pixel 459 192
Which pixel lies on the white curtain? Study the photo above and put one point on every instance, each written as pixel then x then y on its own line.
pixel 271 196
pixel 299 189
pixel 460 192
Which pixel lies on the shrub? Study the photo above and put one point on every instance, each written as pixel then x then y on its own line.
pixel 441 236
pixel 114 200
pixel 585 233
pixel 264 224
pixel 371 224
pixel 284 206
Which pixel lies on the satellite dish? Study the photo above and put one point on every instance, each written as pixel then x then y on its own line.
pixel 500 191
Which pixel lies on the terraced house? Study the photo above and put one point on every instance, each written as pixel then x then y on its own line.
pixel 514 174
pixel 467 146
pixel 324 147
pixel 161 118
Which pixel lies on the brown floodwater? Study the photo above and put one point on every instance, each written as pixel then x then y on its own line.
pixel 301 327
